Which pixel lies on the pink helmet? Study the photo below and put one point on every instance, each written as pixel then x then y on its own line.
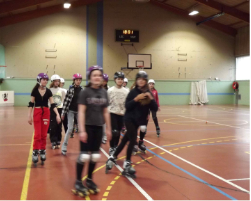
pixel 76 76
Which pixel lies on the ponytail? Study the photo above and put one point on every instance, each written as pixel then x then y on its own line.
pixel 35 87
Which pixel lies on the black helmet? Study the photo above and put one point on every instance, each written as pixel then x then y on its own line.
pixel 142 74
pixel 119 75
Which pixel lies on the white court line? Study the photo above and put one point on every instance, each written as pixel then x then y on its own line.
pixel 232 184
pixel 238 179
pixel 130 179
pixel 228 112
pixel 212 122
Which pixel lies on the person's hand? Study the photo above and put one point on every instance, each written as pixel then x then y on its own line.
pixel 62 117
pixel 30 120
pixel 159 109
pixel 140 97
pixel 149 95
pixel 108 134
pixel 58 119
pixel 83 136
pixel 148 117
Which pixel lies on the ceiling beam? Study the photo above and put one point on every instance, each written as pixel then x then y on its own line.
pixel 197 18
pixel 226 9
pixel 240 4
pixel 192 6
pixel 9 6
pixel 5 21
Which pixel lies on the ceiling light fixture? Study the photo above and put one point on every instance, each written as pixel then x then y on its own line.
pixel 67 5
pixel 195 12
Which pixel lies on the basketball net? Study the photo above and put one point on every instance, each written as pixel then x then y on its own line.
pixel 141 68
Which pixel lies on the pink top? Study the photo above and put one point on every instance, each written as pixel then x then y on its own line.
pixel 155 95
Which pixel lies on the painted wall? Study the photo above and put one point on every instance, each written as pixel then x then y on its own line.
pixel 242 42
pixel 25 44
pixel 170 92
pixel 164 35
pixel 244 91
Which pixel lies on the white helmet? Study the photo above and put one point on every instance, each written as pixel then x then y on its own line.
pixel 125 80
pixel 55 77
pixel 151 81
pixel 62 80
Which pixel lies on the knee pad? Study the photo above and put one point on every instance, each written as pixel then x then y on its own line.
pixel 115 133
pixel 84 157
pixel 143 129
pixel 95 157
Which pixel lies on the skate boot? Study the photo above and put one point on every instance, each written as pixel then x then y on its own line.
pixel 92 187
pixel 42 156
pixel 58 145
pixel 72 135
pixel 63 152
pixel 129 171
pixel 110 163
pixel 123 131
pixel 80 189
pixel 53 145
pixel 142 147
pixel 35 157
pixel 104 140
pixel 158 131
pixel 135 150
pixel 112 151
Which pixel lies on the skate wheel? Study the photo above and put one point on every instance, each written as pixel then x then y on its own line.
pixel 42 163
pixel 97 190
pixel 81 194
pixel 74 192
pixel 106 171
pixel 92 191
pixel 35 164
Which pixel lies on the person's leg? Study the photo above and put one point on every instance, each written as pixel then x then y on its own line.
pixel 121 145
pixel 115 132
pixel 120 124
pixel 69 131
pixel 44 126
pixel 37 121
pixel 65 122
pixel 104 134
pixel 53 129
pixel 94 144
pixel 155 119
pixel 132 135
pixel 59 130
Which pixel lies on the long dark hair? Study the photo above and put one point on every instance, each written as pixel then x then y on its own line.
pixel 35 87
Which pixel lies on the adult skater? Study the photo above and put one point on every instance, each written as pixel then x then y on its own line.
pixel 92 114
pixel 40 96
pixel 138 102
pixel 71 107
pixel 117 96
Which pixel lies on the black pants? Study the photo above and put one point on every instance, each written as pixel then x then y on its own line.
pixel 94 138
pixel 55 128
pixel 65 123
pixel 131 136
pixel 117 122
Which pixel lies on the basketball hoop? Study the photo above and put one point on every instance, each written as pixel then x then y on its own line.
pixel 141 68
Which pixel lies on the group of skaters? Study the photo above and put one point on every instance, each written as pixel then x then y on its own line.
pixel 102 114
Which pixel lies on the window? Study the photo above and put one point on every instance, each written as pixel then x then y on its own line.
pixel 243 68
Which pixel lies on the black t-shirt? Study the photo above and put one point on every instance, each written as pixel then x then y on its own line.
pixel 74 102
pixel 41 100
pixel 95 100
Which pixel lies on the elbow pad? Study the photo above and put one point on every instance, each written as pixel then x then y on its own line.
pixel 53 105
pixel 31 104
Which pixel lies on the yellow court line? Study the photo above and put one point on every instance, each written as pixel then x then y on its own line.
pixel 213 142
pixel 113 182
pixel 104 198
pixel 182 147
pixel 162 152
pixel 176 149
pixel 109 188
pixel 24 192
pixel 116 178
pixel 106 194
pixel 190 146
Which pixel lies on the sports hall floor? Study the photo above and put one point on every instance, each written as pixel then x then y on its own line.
pixel 191 160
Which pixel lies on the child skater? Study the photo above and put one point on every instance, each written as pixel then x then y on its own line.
pixel 151 84
pixel 125 84
pixel 41 116
pixel 138 103
pixel 92 114
pixel 71 107
pixel 58 95
pixel 65 122
pixel 106 87
pixel 117 96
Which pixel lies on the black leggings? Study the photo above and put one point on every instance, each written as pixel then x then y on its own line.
pixel 55 128
pixel 117 122
pixel 65 123
pixel 94 138
pixel 131 136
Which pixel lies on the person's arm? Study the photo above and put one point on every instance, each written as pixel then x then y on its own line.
pixel 53 106
pixel 131 100
pixel 157 99
pixel 31 105
pixel 108 124
pixel 81 123
pixel 65 105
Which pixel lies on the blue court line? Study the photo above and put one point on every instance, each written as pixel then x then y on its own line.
pixel 196 145
pixel 220 191
pixel 180 94
pixel 22 94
